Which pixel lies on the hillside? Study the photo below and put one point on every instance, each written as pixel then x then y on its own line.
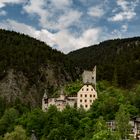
pixel 28 67
pixel 117 60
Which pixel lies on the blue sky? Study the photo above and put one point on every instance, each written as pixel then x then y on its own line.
pixel 71 24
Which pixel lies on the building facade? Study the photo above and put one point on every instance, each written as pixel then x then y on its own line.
pixel 84 98
pixel 61 102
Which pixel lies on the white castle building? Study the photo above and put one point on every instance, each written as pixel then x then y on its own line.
pixel 84 98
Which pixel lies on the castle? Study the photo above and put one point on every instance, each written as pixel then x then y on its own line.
pixel 84 98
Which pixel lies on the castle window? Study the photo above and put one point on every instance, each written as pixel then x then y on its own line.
pixel 92 89
pixel 85 100
pixel 91 101
pixel 80 100
pixel 80 95
pixel 90 95
pixel 87 85
pixel 46 101
pixel 86 106
pixel 85 95
pixel 82 89
pixel 94 96
pixel 92 78
pixel 87 89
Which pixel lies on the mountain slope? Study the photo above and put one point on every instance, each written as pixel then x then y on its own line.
pixel 28 67
pixel 117 60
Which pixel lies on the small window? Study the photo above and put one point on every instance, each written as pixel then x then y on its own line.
pixel 46 101
pixel 90 101
pixel 86 106
pixel 80 100
pixel 82 89
pixel 87 85
pixel 81 105
pixel 92 89
pixel 92 78
pixel 85 95
pixel 80 95
pixel 87 89
pixel 90 95
pixel 93 95
pixel 85 100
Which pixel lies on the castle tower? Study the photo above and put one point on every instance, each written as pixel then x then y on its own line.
pixel 45 101
pixel 87 94
pixel 89 77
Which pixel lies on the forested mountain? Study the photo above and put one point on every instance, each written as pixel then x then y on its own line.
pixel 28 67
pixel 117 60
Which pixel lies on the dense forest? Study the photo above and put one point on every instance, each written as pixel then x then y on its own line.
pixel 26 54
pixel 118 61
pixel 28 67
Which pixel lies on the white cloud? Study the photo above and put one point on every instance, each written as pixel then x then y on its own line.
pixel 37 7
pixel 4 2
pixel 48 10
pixel 2 13
pixel 124 28
pixel 96 11
pixel 127 10
pixel 67 42
pixel 63 39
pixel 68 19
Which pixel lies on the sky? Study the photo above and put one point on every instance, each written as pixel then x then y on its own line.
pixel 67 25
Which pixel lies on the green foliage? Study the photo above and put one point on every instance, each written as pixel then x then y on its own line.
pixel 73 88
pixel 102 133
pixel 106 135
pixel 18 134
pixel 54 135
pixel 8 120
pixel 34 120
pixel 122 122
pixel 100 125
